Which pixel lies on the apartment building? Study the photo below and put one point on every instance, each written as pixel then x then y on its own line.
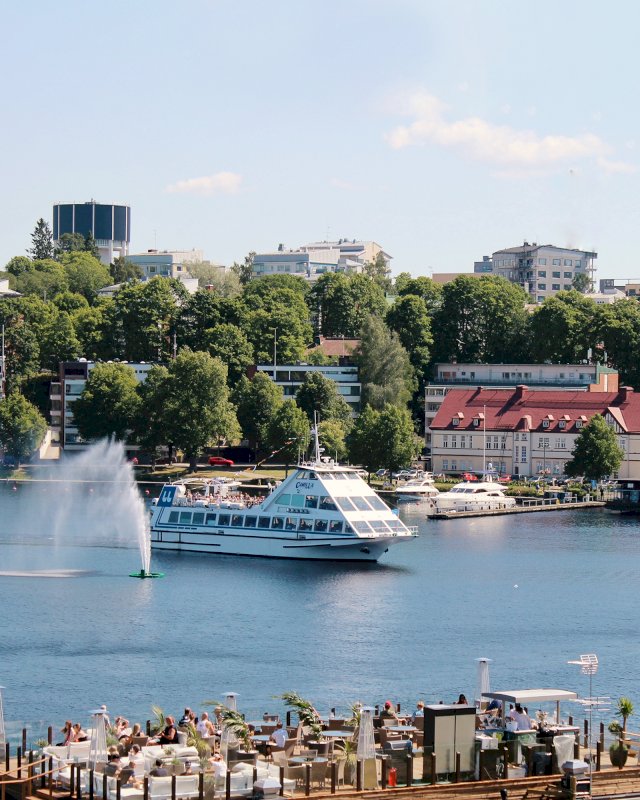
pixel 530 433
pixel 291 376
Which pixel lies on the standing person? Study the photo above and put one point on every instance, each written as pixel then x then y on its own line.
pixel 520 717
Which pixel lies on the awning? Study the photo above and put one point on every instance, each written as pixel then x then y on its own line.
pixel 526 696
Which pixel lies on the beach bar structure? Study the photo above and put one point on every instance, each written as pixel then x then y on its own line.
pixel 527 697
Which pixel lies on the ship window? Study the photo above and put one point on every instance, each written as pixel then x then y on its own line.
pixel 353 476
pixel 249 522
pixel 395 525
pixel 345 504
pixel 173 516
pixel 361 526
pixel 211 519
pixel 361 504
pixel 185 517
pixel 311 501
pixel 313 476
pixel 377 503
pixel 341 476
pixel 348 528
pixel 237 520
pixel 263 522
pixel 297 500
pixel 283 499
pixel 305 525
pixel 327 504
pixel 277 523
pixel 378 525
pixel 198 518
pixel 327 476
pixel 291 523
pixel 335 526
pixel 223 519
pixel 320 525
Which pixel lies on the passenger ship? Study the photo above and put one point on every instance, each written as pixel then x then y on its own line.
pixel 322 511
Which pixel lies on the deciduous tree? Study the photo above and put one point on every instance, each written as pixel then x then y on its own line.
pixel 383 439
pixel 319 394
pixel 288 432
pixel 22 427
pixel 256 402
pixel 244 270
pixel 109 403
pixel 564 328
pixel 342 303
pixel 229 344
pixel 385 371
pixel 409 318
pixel 122 270
pixel 596 453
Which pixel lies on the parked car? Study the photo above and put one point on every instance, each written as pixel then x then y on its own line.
pixel 362 473
pixel 381 473
pixel 219 461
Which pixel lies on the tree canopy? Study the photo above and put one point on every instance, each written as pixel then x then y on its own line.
pixel 596 453
pixel 383 439
pixel 22 427
pixel 257 402
pixel 109 403
pixel 385 371
pixel 342 303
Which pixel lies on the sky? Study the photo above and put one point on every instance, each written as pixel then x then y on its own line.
pixel 441 129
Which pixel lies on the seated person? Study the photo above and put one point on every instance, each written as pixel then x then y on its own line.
pixel 218 765
pixel 279 736
pixel 419 712
pixel 388 712
pixel 169 735
pixel 159 771
pixel 185 719
pixel 205 726
pixel 520 717
pixel 136 759
pixel 461 701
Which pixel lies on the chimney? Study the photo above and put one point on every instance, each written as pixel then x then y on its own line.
pixel 623 394
pixel 521 388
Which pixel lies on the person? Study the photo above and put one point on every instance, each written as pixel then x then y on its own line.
pixel 136 758
pixel 205 726
pixel 169 735
pixel 79 735
pixel 187 768
pixel 105 714
pixel 67 733
pixel 185 719
pixel 461 701
pixel 419 712
pixel 122 728
pixel 520 717
pixel 219 766
pixel 279 736
pixel 388 712
pixel 159 771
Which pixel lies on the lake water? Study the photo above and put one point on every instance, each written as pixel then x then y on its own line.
pixel 529 592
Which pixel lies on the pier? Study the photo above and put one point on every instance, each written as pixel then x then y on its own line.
pixel 527 507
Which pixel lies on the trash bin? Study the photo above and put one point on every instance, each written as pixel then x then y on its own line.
pixel 541 764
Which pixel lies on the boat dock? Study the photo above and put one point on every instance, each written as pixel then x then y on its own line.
pixel 528 507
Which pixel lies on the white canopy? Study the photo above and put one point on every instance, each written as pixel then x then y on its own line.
pixel 526 696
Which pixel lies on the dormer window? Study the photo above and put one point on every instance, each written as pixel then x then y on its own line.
pixel 562 424
pixel 545 423
pixel 578 423
pixel 476 422
pixel 455 422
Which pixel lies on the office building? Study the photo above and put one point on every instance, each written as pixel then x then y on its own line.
pixel 109 224
pixel 291 376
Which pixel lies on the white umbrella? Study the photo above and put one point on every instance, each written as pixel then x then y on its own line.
pixel 483 679
pixel 98 746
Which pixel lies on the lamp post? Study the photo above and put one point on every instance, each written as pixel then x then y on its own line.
pixel 275 351
pixel 588 666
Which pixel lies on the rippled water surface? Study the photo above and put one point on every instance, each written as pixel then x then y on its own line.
pixel 529 592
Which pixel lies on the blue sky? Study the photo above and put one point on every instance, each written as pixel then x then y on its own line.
pixel 442 130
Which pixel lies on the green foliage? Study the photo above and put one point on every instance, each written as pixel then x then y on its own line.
pixel 41 241
pixel 480 320
pixel 244 270
pixel 378 271
pixel 199 313
pixel 619 326
pixel 234 722
pixel 124 271
pixel 307 714
pixel 427 289
pixel 19 265
pixel 270 285
pixel 319 394
pixel 342 303
pixel 90 245
pixel 92 327
pixel 109 403
pixel 70 302
pixel 85 273
pixel 385 371
pixel 383 439
pixel 223 283
pixel 331 435
pixel 401 281
pixel 563 328
pixel 46 279
pixel 159 721
pixel 229 344
pixel 624 710
pixel 257 402
pixel 59 341
pixel 288 431
pixel 70 243
pixel 267 307
pixel 22 427
pixel 581 282
pixel 22 327
pixel 596 453
pixel 409 318
pixel 151 425
pixel 36 388
pixel 317 358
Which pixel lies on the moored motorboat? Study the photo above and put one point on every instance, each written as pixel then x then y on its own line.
pixel 484 495
pixel 421 488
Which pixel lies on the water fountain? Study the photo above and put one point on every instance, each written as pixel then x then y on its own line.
pixel 98 493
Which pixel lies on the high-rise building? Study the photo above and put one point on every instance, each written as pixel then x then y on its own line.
pixel 109 224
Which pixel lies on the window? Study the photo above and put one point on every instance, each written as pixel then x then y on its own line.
pixel 542 273
pixel 361 503
pixel 542 261
pixel 562 423
pixel 463 442
pixel 173 516
pixel 555 287
pixel 327 504
pixel 455 421
pixel 578 423
pixel 198 518
pixel 445 441
pixel 523 454
pixel 545 423
pixel 211 519
pixel 345 504
pixel 237 520
pixel 376 503
pixel 568 275
pixel 290 523
pixel 445 464
pixel 568 262
pixel 297 501
pixel 305 525
pixel 283 499
pixel 517 452
pixel 185 517
pixel 320 525
pixel 540 298
pixel 361 527
pixel 577 263
pixel 264 522
pixel 277 523
pixel 223 519
pixel 454 441
pixel 542 287
pixel 454 465
pixel 557 444
pixel 335 526
pixel 311 501
pixel 563 444
pixel 249 522
pixel 567 287
pixel 555 274
pixel 556 262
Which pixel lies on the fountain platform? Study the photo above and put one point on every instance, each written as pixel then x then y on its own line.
pixel 142 574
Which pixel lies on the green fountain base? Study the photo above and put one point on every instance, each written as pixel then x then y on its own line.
pixel 142 574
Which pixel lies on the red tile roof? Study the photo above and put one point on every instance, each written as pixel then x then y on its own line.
pixel 524 409
pixel 336 347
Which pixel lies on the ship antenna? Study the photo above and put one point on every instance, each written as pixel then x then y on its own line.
pixel 315 433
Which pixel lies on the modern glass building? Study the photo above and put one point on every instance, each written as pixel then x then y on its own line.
pixel 110 225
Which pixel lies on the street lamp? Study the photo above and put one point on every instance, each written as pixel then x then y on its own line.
pixel 275 350
pixel 588 666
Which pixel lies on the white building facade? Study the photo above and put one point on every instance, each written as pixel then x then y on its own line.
pixel 292 376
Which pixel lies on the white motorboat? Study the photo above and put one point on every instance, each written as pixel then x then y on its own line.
pixel 422 488
pixel 483 495
pixel 322 511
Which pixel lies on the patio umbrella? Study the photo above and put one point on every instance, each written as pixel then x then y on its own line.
pixel 98 746
pixel 366 750
pixel 483 679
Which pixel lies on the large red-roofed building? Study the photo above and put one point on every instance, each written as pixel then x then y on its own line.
pixel 525 432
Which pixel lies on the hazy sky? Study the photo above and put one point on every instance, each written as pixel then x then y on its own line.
pixel 443 130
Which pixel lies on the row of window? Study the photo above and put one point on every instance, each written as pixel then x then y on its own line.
pixel 542 273
pixel 556 262
pixel 498 466
pixel 225 520
pixel 325 503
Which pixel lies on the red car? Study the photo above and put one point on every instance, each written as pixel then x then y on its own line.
pixel 218 461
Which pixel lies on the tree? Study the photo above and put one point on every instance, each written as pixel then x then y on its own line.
pixel 22 427
pixel 481 320
pixel 197 410
pixel 401 280
pixel 277 312
pixel 90 245
pixel 93 326
pixel 378 271
pixel 564 328
pixel 70 301
pixel 123 271
pixel 41 241
pixel 426 288
pixel 288 432
pixel 596 453
pixel 199 313
pixel 150 426
pixel 244 271
pixel 46 279
pixel 618 326
pixel 85 273
pixel 385 371
pixel 383 438
pixel 319 394
pixel 257 402
pixel 223 282
pixel 230 345
pixel 22 331
pixel 109 403
pixel 331 434
pixel 409 318
pixel 59 342
pixel 69 243
pixel 581 282
pixel 341 303
pixel 18 265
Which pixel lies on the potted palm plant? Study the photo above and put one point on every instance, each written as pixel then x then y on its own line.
pixel 308 716
pixel 619 750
